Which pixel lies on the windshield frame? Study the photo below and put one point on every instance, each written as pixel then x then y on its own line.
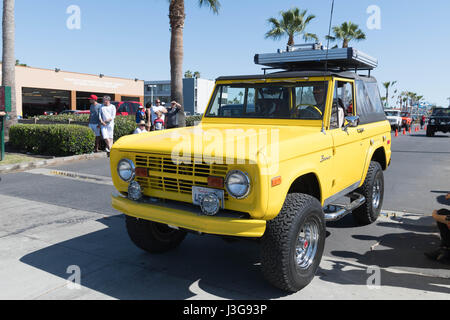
pixel 288 82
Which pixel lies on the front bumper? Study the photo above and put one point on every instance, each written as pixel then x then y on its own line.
pixel 190 218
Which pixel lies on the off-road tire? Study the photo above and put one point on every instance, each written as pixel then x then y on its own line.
pixel 278 245
pixel 367 214
pixel 153 237
pixel 430 132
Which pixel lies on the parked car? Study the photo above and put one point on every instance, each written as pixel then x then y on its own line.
pixel 125 108
pixel 164 194
pixel 406 120
pixel 394 118
pixel 50 113
pixel 439 121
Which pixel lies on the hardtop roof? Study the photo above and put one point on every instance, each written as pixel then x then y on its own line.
pixel 300 74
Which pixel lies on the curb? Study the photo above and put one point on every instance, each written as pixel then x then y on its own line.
pixel 49 162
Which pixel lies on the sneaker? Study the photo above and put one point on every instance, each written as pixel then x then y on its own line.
pixel 107 150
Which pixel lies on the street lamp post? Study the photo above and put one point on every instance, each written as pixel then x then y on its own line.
pixel 151 86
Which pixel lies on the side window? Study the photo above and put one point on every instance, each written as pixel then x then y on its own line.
pixel 343 103
pixel 122 108
pixel 369 106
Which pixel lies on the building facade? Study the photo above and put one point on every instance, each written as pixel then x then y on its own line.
pixel 196 93
pixel 40 90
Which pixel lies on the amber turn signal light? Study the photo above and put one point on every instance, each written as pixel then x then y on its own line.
pixel 215 182
pixel 276 181
pixel 141 172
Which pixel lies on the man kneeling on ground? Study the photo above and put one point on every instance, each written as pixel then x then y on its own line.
pixel 442 218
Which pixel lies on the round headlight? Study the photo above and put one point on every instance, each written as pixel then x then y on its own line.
pixel 237 184
pixel 432 121
pixel 125 169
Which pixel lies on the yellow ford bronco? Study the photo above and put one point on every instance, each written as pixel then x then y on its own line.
pixel 268 161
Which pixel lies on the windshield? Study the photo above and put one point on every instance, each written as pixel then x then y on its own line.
pixel 405 114
pixel 392 113
pixel 305 101
pixel 441 112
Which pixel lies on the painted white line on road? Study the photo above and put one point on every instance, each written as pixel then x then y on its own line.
pixel 73 176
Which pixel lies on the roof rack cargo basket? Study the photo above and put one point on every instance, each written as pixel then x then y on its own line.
pixel 317 57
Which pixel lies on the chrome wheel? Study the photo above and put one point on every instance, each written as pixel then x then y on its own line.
pixel 307 244
pixel 376 193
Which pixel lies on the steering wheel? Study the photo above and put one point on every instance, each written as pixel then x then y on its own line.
pixel 310 108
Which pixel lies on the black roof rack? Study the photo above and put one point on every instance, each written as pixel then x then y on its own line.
pixel 316 57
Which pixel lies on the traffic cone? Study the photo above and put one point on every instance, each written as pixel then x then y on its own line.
pixel 404 131
pixel 409 129
pixel 396 132
pixel 425 128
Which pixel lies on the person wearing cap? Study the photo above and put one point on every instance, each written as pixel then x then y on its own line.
pixel 107 116
pixel 141 128
pixel 140 114
pixel 94 119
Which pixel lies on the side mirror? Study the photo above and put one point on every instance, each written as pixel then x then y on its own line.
pixel 352 122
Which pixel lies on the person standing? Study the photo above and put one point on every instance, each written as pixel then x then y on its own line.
pixel 422 121
pixel 140 114
pixel 148 115
pixel 94 119
pixel 155 108
pixel 172 115
pixel 107 116
pixel 159 121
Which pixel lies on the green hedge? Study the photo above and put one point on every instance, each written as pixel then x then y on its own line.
pixel 54 140
pixel 64 118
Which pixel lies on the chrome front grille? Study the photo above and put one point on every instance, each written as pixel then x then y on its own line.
pixel 176 175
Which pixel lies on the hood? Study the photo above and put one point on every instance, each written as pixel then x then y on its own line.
pixel 234 141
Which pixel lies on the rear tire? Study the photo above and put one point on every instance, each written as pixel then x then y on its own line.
pixel 292 246
pixel 373 191
pixel 153 237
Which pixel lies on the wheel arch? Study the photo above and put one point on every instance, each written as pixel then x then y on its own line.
pixel 308 184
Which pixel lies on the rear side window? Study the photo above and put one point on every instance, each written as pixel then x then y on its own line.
pixel 369 105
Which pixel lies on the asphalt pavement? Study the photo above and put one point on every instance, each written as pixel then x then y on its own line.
pixel 58 217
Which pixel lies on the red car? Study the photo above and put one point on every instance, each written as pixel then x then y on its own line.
pixel 125 108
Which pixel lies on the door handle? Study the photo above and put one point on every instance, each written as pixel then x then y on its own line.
pixel 361 130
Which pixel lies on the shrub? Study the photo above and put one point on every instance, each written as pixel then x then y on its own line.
pixel 64 118
pixel 191 120
pixel 54 140
pixel 124 125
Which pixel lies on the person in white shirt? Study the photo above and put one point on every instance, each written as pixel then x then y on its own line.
pixel 140 128
pixel 107 116
pixel 160 108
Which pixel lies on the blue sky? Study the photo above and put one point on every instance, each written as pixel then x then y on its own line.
pixel 131 38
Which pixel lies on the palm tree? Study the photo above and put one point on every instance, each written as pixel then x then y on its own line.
pixel 348 31
pixel 292 23
pixel 196 74
pixel 8 59
pixel 177 16
pixel 387 85
pixel 188 74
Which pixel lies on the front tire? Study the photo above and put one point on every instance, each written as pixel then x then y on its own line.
pixel 153 237
pixel 292 246
pixel 373 191
pixel 430 132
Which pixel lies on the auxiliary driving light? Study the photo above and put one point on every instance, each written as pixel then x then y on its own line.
pixel 210 204
pixel 126 170
pixel 237 184
pixel 134 191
